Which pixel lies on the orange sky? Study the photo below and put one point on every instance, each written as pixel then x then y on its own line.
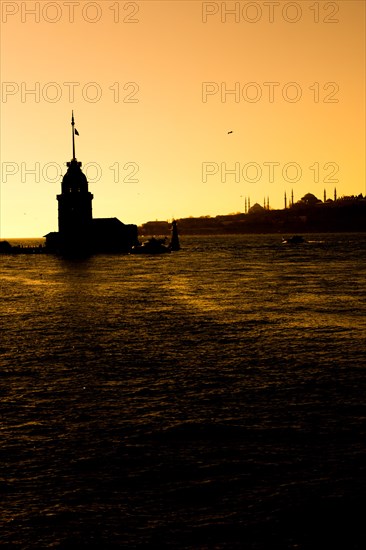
pixel 148 91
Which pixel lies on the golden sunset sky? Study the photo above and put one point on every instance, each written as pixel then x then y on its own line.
pixel 157 85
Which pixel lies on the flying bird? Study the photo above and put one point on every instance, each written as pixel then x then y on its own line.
pixel 230 132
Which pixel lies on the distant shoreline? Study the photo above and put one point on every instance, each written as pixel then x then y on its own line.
pixel 35 241
pixel 345 215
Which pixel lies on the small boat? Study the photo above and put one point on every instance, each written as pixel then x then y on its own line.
pixel 151 246
pixel 295 239
pixel 158 246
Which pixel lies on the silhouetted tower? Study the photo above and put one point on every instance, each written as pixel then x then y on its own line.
pixel 292 197
pixel 335 193
pixel 267 203
pixel 264 203
pixel 325 196
pixel 285 200
pixel 245 208
pixel 74 207
pixel 248 204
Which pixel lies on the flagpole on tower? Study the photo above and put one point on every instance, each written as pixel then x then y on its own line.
pixel 73 135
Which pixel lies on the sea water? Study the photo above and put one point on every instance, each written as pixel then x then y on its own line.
pixel 210 398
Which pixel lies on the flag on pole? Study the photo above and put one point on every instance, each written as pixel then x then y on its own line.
pixel 76 132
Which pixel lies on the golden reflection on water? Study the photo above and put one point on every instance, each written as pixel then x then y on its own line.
pixel 218 390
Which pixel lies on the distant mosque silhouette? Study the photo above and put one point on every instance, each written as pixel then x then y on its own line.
pixel 78 233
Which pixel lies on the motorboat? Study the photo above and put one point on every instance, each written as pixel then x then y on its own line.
pixel 295 239
pixel 156 245
pixel 152 246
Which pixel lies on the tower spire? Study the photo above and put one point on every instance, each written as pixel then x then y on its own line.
pixel 73 135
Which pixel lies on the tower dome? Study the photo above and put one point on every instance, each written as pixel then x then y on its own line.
pixel 74 180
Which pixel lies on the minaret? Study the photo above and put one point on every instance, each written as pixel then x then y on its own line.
pixel 325 196
pixel 285 200
pixel 292 197
pixel 335 194
pixel 75 207
pixel 245 210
